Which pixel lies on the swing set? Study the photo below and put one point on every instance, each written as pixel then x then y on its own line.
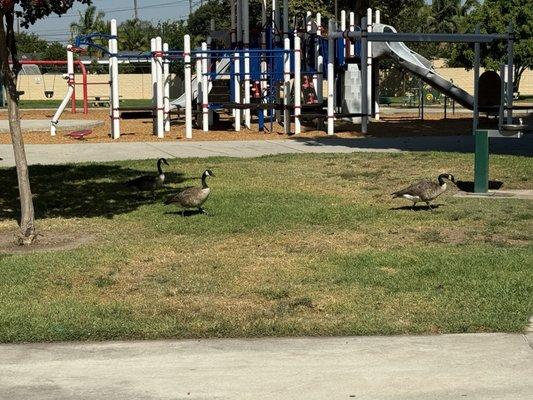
pixel 49 91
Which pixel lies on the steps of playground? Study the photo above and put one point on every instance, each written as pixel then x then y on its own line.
pixel 220 91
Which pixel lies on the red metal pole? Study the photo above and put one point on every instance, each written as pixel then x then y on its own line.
pixel 84 82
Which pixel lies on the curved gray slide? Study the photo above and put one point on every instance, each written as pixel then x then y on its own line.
pixel 419 66
pixel 222 67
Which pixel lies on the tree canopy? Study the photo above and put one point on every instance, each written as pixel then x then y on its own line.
pixel 494 16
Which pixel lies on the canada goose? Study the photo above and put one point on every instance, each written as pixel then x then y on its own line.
pixel 149 182
pixel 193 197
pixel 424 190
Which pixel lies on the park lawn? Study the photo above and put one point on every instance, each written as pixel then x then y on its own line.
pixel 295 245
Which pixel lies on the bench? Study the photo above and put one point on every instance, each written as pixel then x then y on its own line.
pixel 101 101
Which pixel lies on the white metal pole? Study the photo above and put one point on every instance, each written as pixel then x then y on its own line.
pixel 502 95
pixel 209 60
pixel 377 114
pixel 297 85
pixel 247 76
pixel 343 28
pixel 153 47
pixel 352 29
pixel 237 90
pixel 286 85
pixel 264 61
pixel 331 79
pixel 510 73
pixel 205 89
pixel 364 72
pixel 199 87
pixel 308 24
pixel 320 80
pixel 318 35
pixel 188 86
pixel 115 104
pixel 159 90
pixel 273 16
pixel 166 80
pixel 369 62
pixel 70 91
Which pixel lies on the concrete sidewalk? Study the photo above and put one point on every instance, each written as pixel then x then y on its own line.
pixel 470 366
pixel 101 152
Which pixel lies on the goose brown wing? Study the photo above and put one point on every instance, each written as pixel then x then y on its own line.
pixel 416 189
pixel 186 197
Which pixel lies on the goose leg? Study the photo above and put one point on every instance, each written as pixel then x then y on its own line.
pixel 203 211
pixel 413 206
pixel 429 205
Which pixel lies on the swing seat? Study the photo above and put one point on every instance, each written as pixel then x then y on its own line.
pixel 79 135
pixel 49 94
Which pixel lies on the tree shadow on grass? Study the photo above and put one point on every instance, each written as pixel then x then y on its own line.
pixel 80 191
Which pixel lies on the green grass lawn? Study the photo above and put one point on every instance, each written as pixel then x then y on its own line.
pixel 295 245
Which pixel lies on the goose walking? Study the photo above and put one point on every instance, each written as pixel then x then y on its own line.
pixel 193 197
pixel 425 190
pixel 149 182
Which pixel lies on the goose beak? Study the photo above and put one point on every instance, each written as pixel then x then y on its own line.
pixel 166 163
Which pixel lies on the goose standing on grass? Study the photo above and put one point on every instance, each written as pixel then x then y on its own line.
pixel 425 190
pixel 193 197
pixel 149 182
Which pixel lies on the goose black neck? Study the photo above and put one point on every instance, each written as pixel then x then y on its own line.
pixel 204 181
pixel 159 169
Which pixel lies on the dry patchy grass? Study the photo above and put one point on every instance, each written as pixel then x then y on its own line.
pixel 296 245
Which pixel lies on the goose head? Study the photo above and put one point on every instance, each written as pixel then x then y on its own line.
pixel 447 176
pixel 207 173
pixel 162 161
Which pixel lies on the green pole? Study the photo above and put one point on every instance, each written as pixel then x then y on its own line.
pixel 481 162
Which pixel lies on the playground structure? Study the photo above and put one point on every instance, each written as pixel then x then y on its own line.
pixel 280 74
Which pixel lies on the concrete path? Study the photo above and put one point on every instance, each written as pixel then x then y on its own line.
pixel 474 366
pixel 39 125
pixel 99 152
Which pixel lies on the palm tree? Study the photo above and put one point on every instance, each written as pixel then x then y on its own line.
pixel 448 15
pixel 90 21
pixel 135 35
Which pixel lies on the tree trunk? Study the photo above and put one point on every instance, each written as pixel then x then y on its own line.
pixel 27 232
pixel 27 214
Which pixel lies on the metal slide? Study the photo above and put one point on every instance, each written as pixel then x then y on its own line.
pixel 222 67
pixel 419 66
